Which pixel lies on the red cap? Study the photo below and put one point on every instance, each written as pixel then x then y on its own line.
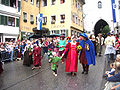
pixel 49 49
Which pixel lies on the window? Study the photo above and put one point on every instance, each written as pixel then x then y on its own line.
pixel 79 22
pixel 36 20
pixel 73 18
pixel 53 2
pixel 62 31
pixel 5 2
pixel 54 32
pixel 76 20
pixel 53 19
pixel 62 1
pixel 62 18
pixel 26 0
pixel 17 22
pixel 76 3
pixel 19 6
pixel 37 3
pixel 99 4
pixel 44 20
pixel 24 17
pixel 44 2
pixel 13 3
pixel 32 2
pixel 11 21
pixel 78 6
pixel 31 19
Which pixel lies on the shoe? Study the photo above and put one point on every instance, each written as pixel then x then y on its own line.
pixel 55 75
pixel 83 72
pixel 33 68
pixel 86 72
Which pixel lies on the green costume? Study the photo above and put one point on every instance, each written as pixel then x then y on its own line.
pixel 49 54
pixel 54 61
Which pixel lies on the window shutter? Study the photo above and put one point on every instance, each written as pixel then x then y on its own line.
pixel 66 34
pixel 19 6
pixel 5 22
pixel 7 2
pixel 17 23
pixel 0 20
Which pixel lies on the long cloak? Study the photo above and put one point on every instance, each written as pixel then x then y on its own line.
pixel 37 56
pixel 90 54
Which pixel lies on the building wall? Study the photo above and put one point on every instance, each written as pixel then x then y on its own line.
pixel 93 14
pixel 30 9
pixel 67 8
pixel 7 30
pixel 57 10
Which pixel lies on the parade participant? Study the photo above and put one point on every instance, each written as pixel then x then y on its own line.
pixel 72 56
pixel 27 55
pixel 100 42
pixel 109 43
pixel 68 39
pixel 62 44
pixel 54 62
pixel 87 54
pixel 36 57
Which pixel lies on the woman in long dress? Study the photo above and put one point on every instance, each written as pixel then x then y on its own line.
pixel 72 56
pixel 27 55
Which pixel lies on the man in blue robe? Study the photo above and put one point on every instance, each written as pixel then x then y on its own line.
pixel 87 54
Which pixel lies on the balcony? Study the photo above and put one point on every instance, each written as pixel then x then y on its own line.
pixel 9 29
pixel 9 10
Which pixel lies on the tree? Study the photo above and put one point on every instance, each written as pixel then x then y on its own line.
pixel 106 30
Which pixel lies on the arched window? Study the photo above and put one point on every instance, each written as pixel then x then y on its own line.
pixel 99 4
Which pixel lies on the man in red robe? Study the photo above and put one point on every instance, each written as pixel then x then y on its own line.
pixel 36 57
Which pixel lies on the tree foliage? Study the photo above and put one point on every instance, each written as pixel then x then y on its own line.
pixel 106 30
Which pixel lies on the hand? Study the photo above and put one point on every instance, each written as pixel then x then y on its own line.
pixel 36 54
pixel 62 55
pixel 112 88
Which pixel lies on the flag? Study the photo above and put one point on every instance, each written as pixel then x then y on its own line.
pixel 39 21
pixel 113 10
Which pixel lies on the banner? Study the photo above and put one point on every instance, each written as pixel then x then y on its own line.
pixel 113 10
pixel 39 21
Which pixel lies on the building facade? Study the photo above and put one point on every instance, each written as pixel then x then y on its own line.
pixel 63 16
pixel 9 19
pixel 98 13
pixel 28 18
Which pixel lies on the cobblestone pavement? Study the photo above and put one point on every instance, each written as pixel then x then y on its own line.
pixel 18 77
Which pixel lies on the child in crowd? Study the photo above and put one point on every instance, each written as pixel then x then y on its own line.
pixel 54 62
pixel 112 66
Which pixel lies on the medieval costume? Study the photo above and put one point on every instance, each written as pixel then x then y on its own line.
pixel 27 55
pixel 72 57
pixel 54 62
pixel 87 54
pixel 62 44
pixel 36 57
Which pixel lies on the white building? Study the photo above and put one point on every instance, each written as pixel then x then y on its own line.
pixel 98 13
pixel 9 19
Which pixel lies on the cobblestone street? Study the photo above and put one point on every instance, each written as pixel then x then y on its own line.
pixel 18 77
